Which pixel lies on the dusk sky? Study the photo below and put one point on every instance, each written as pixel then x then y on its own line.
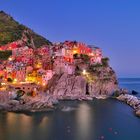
pixel 113 25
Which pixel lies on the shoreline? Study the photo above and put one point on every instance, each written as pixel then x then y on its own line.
pixel 132 101
pixel 40 103
pixel 45 102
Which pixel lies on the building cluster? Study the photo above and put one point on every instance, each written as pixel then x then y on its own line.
pixel 69 48
pixel 38 65
pixel 64 55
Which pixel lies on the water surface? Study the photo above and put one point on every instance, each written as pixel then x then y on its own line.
pixel 130 83
pixel 109 118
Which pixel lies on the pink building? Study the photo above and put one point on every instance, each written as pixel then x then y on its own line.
pixel 96 55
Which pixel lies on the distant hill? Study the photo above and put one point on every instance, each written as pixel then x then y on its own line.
pixel 11 30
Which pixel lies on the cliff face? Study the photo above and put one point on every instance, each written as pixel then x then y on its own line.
pixel 101 88
pixel 106 82
pixel 75 86
pixel 68 85
pixel 88 80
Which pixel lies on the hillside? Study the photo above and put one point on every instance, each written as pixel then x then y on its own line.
pixel 11 30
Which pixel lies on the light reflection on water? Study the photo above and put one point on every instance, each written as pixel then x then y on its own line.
pixel 87 121
pixel 14 124
pixel 84 117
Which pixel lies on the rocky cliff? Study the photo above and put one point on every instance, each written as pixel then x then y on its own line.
pixel 82 86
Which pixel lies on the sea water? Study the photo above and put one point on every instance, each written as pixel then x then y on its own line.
pixel 130 84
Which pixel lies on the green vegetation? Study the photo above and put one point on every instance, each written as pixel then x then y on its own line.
pixel 105 61
pixel 95 68
pixel 116 94
pixel 9 80
pixel 19 93
pixel 106 79
pixel 85 58
pixel 77 71
pixel 29 93
pixel 75 56
pixel 4 55
pixel 10 31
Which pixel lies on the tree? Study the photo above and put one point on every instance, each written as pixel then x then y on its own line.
pixel 4 55
pixel 9 80
pixel 105 61
pixel 75 56
pixel 85 58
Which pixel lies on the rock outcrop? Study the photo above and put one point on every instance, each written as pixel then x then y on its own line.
pixel 67 86
pixel 131 100
pixel 41 102
pixel 102 88
pixel 70 86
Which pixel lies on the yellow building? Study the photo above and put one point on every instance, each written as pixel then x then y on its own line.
pixel 32 77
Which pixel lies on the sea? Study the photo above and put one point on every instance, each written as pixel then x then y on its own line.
pixel 130 84
pixel 76 120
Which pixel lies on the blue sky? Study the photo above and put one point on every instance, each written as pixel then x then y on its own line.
pixel 113 25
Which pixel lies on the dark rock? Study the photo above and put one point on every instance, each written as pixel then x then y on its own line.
pixel 134 92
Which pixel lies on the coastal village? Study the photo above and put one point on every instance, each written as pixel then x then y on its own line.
pixel 36 78
pixel 26 74
pixel 29 68
pixel 35 74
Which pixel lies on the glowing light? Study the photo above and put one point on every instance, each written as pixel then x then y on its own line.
pixel 3 84
pixel 39 65
pixel 10 59
pixel 15 80
pixel 84 72
pixel 74 51
pixel 92 54
pixel 44 84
